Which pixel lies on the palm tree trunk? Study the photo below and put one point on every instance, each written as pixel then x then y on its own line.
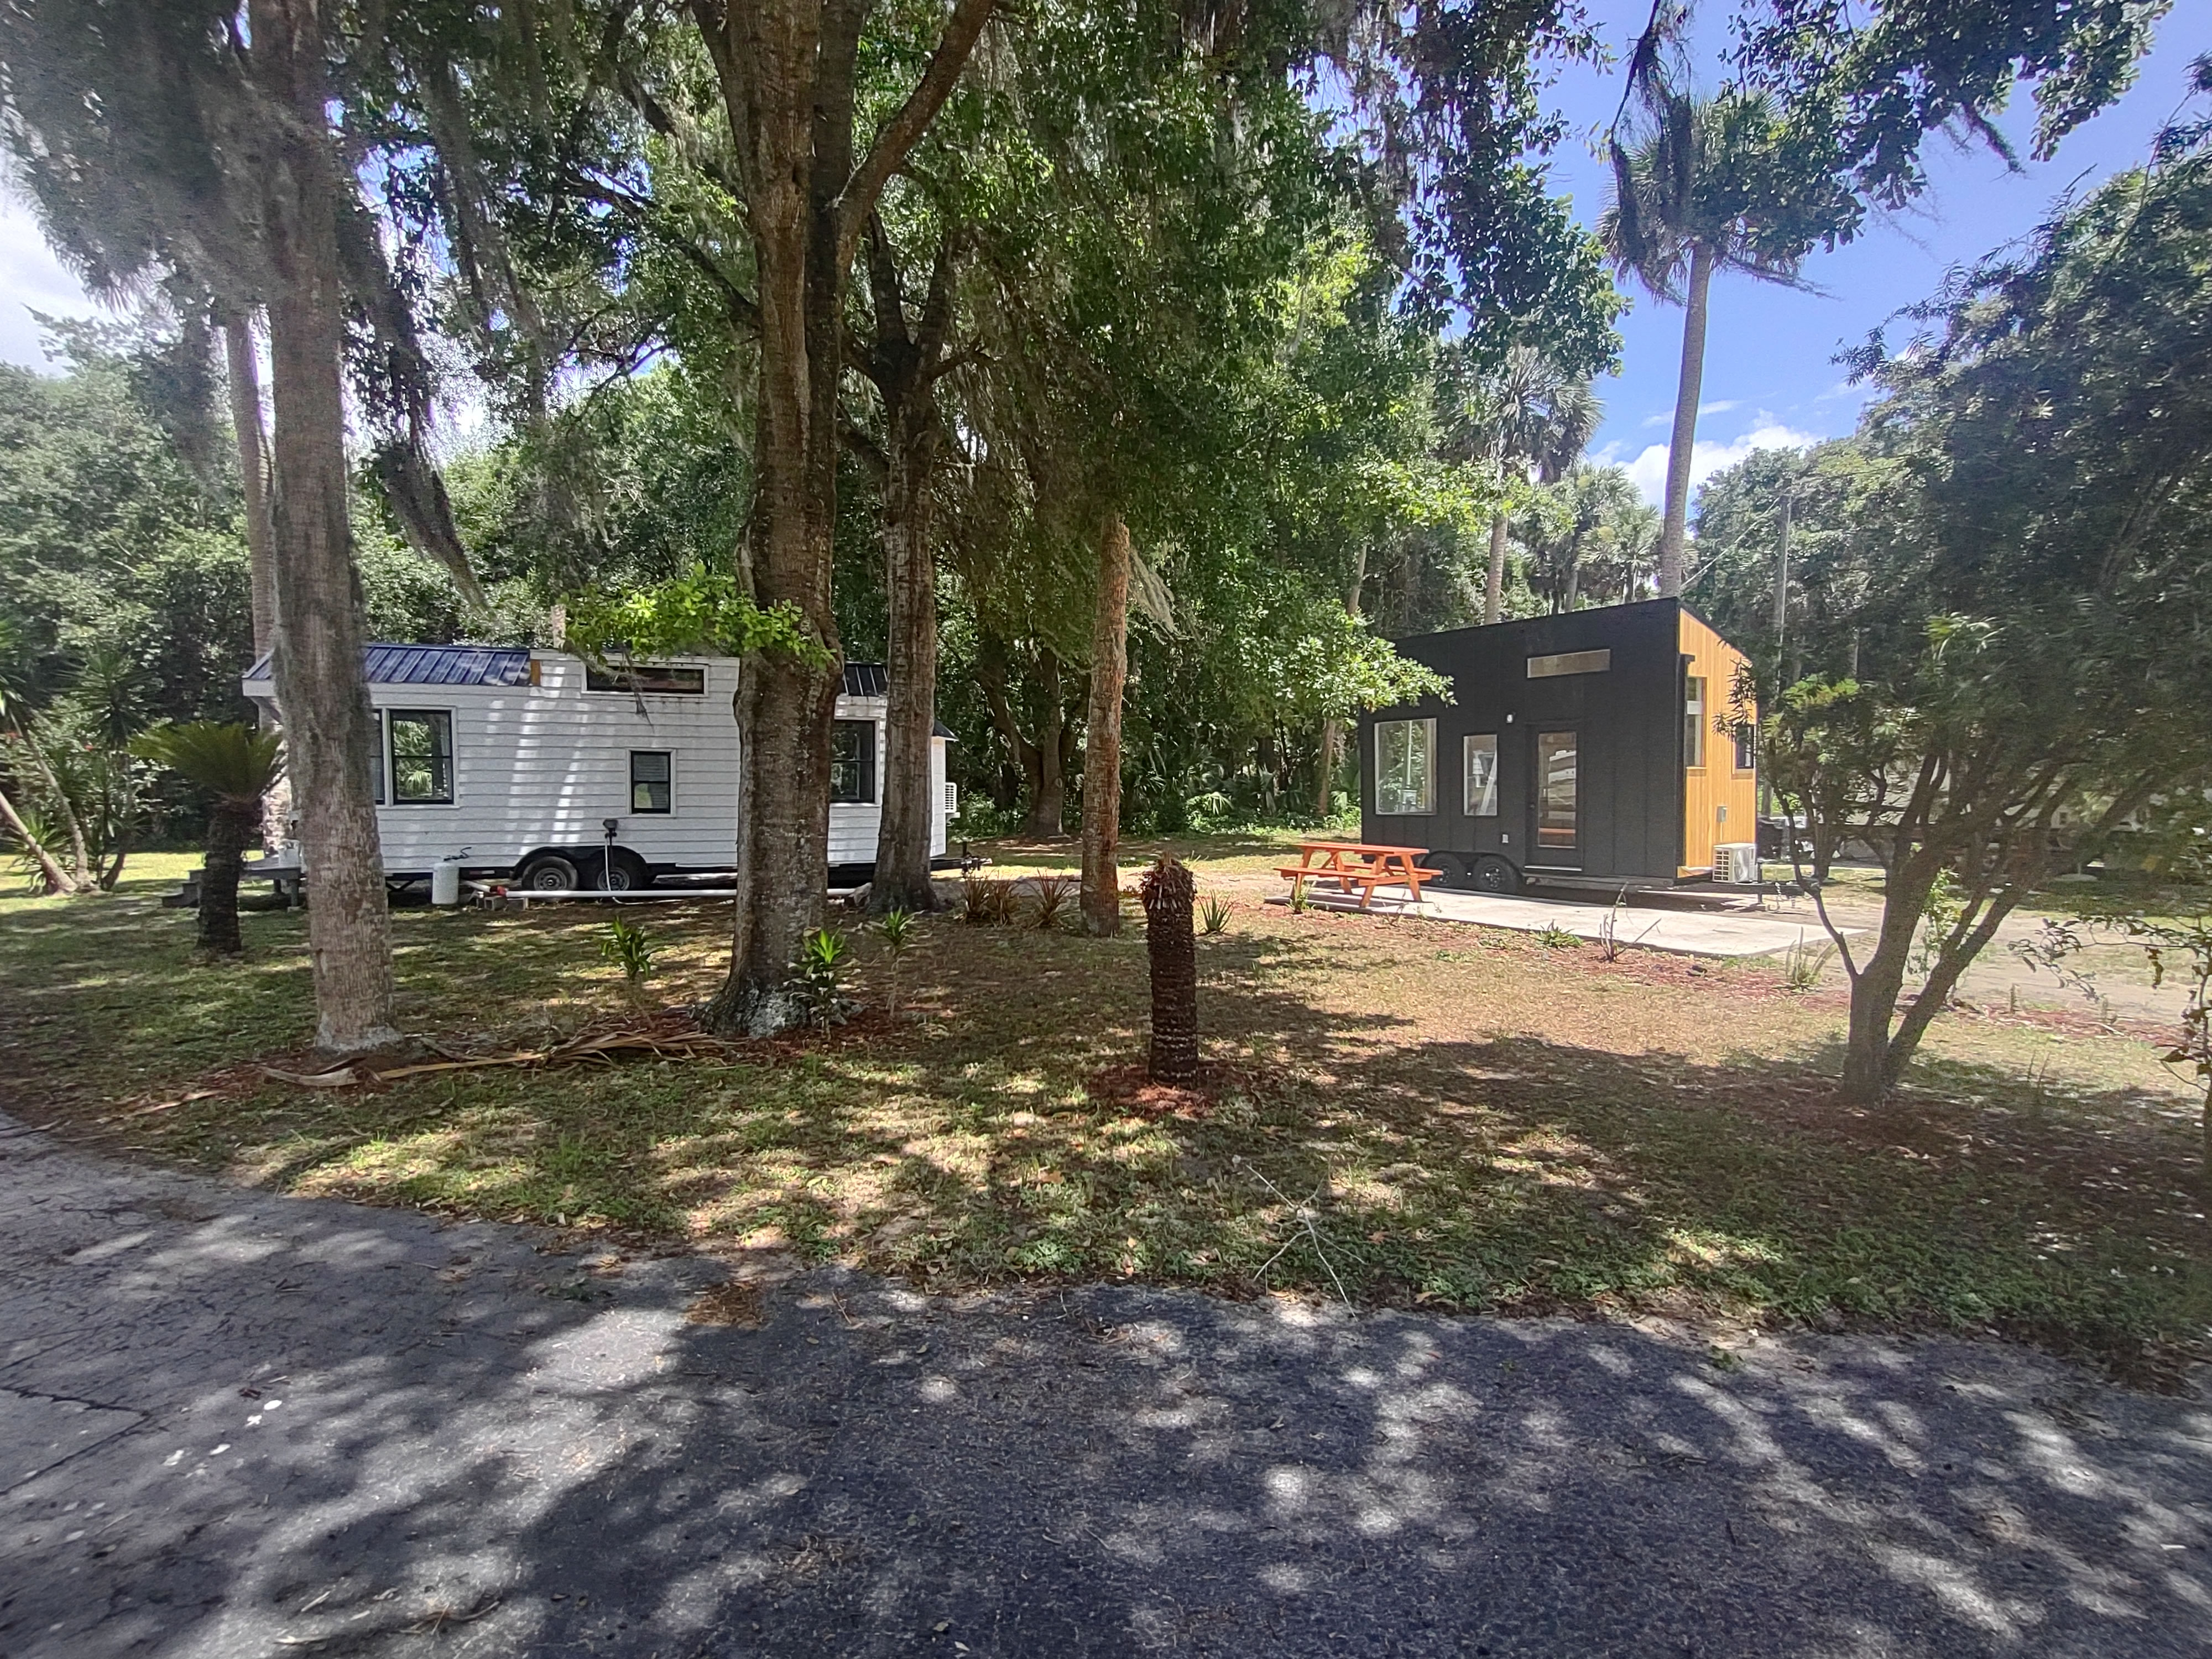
pixel 57 879
pixel 329 726
pixel 1673 534
pixel 226 854
pixel 1493 594
pixel 1101 743
pixel 1172 951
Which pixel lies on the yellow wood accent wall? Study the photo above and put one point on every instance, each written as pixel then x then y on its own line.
pixel 1717 783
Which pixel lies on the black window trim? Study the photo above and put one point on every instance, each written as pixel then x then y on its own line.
pixel 667 783
pixel 392 719
pixel 871 758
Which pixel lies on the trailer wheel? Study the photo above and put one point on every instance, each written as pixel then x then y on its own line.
pixel 549 873
pixel 1451 871
pixel 1493 874
pixel 620 871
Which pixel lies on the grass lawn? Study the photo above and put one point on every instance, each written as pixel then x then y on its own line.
pixel 1404 1111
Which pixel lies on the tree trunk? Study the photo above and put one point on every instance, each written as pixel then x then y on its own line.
pixel 1674 533
pixel 1573 593
pixel 1494 592
pixel 329 729
pixel 244 379
pixel 57 879
pixel 1102 747
pixel 1172 950
pixel 787 70
pixel 1868 1071
pixel 227 828
pixel 1048 819
pixel 902 878
pixel 1332 734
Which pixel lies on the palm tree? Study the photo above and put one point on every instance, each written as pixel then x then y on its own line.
pixel 234 766
pixel 1526 412
pixel 1699 187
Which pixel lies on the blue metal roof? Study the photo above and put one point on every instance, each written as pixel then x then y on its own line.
pixel 435 665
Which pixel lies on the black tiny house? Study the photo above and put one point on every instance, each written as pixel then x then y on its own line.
pixel 1591 747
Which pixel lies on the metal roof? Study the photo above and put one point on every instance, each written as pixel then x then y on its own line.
pixel 435 665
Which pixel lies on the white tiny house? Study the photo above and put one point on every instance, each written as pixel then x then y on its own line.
pixel 537 768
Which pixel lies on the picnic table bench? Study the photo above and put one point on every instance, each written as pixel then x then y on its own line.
pixel 1362 864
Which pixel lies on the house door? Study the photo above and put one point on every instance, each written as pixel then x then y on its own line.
pixel 1556 835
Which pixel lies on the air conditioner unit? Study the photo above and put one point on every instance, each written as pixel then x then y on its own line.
pixel 1736 862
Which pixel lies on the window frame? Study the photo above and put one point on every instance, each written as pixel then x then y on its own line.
pixel 1545 798
pixel 1558 665
pixel 1693 722
pixel 1426 726
pixel 666 781
pixel 1746 737
pixel 630 679
pixel 1468 751
pixel 380 764
pixel 871 758
pixel 433 718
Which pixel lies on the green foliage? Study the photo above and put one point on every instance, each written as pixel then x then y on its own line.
pixel 1556 937
pixel 628 946
pixel 818 976
pixel 1213 915
pixel 700 611
pixel 231 762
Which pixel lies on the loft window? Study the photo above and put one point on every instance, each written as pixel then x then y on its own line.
pixel 853 763
pixel 1693 722
pixel 655 677
pixel 1482 776
pixel 652 778
pixel 422 756
pixel 1405 767
pixel 1746 746
pixel 1570 662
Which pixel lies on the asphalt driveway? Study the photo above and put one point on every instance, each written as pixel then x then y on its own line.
pixel 235 1424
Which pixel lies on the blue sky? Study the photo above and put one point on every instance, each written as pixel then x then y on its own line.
pixel 1770 378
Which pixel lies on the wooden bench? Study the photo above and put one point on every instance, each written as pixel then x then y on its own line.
pixel 1361 865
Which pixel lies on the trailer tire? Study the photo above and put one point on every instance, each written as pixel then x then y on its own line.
pixel 1493 874
pixel 549 872
pixel 620 871
pixel 1451 871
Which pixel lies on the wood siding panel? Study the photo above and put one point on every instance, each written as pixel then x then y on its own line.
pixel 1718 784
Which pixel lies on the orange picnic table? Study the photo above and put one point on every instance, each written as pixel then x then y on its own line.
pixel 1363 865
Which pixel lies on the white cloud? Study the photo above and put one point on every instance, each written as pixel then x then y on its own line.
pixel 31 279
pixel 1720 408
pixel 1649 469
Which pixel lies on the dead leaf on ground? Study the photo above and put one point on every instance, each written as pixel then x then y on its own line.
pixel 738 1303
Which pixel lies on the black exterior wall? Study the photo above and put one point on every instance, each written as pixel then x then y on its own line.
pixel 1628 722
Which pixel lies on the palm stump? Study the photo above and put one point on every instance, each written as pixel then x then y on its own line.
pixel 1167 891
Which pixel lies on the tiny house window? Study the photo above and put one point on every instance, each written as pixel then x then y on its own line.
pixel 1482 776
pixel 853 763
pixel 1693 723
pixel 657 679
pixel 652 778
pixel 422 756
pixel 1570 662
pixel 1746 746
pixel 376 762
pixel 1557 781
pixel 1405 767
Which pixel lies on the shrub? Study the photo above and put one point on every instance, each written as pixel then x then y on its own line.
pixel 626 946
pixel 985 900
pixel 1051 899
pixel 1213 915
pixel 818 976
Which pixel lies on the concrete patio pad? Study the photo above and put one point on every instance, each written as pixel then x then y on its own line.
pixel 1685 933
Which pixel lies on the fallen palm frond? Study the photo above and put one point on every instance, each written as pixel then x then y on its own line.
pixel 608 1046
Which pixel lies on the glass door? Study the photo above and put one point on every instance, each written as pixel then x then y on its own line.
pixel 1557 839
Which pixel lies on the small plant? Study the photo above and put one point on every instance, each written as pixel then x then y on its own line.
pixel 896 928
pixel 1299 903
pixel 1052 895
pixel 626 946
pixel 1556 937
pixel 985 900
pixel 818 976
pixel 1608 931
pixel 1803 963
pixel 1213 915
